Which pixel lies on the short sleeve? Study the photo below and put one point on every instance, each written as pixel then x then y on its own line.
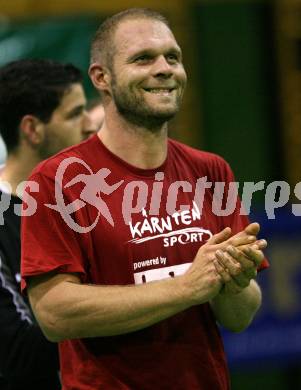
pixel 47 242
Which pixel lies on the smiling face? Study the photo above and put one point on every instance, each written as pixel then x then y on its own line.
pixel 147 75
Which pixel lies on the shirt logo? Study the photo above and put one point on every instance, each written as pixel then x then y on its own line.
pixel 165 228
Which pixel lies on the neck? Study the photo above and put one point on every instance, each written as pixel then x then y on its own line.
pixel 138 146
pixel 18 167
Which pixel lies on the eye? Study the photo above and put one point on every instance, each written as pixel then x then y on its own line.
pixel 172 58
pixel 143 59
pixel 77 112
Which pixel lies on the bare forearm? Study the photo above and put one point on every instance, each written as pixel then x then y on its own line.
pixel 93 311
pixel 65 308
pixel 236 312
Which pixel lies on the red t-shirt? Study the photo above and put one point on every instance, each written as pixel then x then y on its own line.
pixel 116 224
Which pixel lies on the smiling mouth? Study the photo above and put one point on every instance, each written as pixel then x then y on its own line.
pixel 159 91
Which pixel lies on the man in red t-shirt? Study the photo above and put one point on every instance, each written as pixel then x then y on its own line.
pixel 129 258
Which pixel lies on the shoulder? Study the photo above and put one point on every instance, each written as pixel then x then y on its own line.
pixel 208 162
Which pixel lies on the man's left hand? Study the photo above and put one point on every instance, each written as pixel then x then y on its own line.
pixel 238 265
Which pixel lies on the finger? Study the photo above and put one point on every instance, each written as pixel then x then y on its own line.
pixel 231 288
pixel 245 237
pixel 252 229
pixel 226 277
pixel 254 254
pixel 240 257
pixel 239 276
pixel 233 267
pixel 242 280
pixel 251 273
pixel 240 240
pixel 249 266
pixel 220 237
pixel 262 244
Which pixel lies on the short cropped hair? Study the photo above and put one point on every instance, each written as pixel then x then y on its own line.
pixel 31 87
pixel 102 47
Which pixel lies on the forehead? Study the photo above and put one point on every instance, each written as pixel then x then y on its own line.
pixel 142 34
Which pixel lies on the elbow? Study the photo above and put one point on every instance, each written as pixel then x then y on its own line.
pixel 52 325
pixel 238 327
pixel 238 324
pixel 52 335
pixel 52 331
pixel 51 299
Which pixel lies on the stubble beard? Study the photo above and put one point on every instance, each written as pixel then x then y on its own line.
pixel 136 111
pixel 45 149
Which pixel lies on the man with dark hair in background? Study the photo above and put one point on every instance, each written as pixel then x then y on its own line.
pixel 42 111
pixel 133 284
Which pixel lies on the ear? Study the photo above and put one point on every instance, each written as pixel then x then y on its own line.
pixel 32 129
pixel 100 77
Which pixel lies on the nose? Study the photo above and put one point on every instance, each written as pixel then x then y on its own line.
pixel 88 127
pixel 162 68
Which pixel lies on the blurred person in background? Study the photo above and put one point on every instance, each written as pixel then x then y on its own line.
pixel 96 112
pixel 2 153
pixel 42 111
pixel 132 305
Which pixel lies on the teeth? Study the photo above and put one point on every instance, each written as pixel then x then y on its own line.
pixel 157 90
